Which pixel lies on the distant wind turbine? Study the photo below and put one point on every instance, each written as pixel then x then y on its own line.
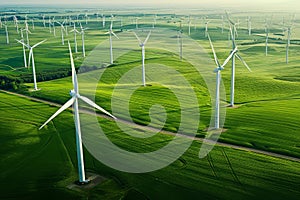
pixel 142 45
pixel 75 37
pixel 62 30
pixel 82 38
pixel 267 37
pixel 179 36
pixel 288 43
pixel 233 36
pixel 206 28
pixel 75 96
pixel 218 81
pixel 111 33
pixel 103 21
pixel 249 24
pixel 31 57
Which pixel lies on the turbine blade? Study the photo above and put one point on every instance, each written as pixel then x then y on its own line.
pixel 242 60
pixel 228 18
pixel 91 103
pixel 229 57
pixel 21 42
pixel 115 35
pixel 146 40
pixel 74 77
pixel 64 107
pixel 137 37
pixel 213 50
pixel 37 44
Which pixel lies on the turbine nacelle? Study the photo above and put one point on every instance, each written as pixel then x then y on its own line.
pixel 218 69
pixel 73 93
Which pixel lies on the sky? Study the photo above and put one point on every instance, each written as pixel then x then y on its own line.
pixel 280 4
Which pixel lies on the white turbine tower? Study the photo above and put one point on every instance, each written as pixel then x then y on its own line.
pixel 31 57
pixel 218 81
pixel 142 45
pixel 44 22
pixel 62 30
pixel 288 43
pixel 233 35
pixel 16 22
pixel 86 18
pixel 136 23
pixel 222 24
pixel 111 33
pixel 75 37
pixel 103 21
pixel 82 39
pixel 75 96
pixel 6 33
pixel 249 24
pixel 267 37
pixel 189 23
pixel 206 28
pixel 180 43
pixel 32 21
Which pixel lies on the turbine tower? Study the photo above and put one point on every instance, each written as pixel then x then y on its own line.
pixel 288 43
pixel 75 96
pixel 142 45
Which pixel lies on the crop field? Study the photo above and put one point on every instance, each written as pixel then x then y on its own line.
pixel 258 151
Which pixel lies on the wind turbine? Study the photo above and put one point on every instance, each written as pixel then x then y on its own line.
pixel 31 57
pixel 267 37
pixel 82 38
pixel 44 22
pixel 6 33
pixel 218 81
pixel 32 21
pixel 222 24
pixel 75 37
pixel 1 24
pixel 75 96
pixel 103 20
pixel 62 29
pixel 16 23
pixel 189 25
pixel 206 28
pixel 179 36
pixel 110 32
pixel 249 24
pixel 288 43
pixel 136 23
pixel 142 45
pixel 86 18
pixel 233 35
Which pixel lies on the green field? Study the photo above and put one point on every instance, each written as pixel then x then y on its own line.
pixel 42 163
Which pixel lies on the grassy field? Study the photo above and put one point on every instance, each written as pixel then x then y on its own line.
pixel 43 162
